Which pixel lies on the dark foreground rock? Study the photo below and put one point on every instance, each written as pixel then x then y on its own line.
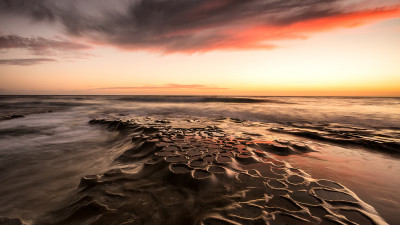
pixel 374 139
pixel 198 175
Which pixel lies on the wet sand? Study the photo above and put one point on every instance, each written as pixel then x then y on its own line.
pixel 194 173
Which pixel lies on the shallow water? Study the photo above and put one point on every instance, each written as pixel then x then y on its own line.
pixel 44 154
pixel 43 157
pixel 373 176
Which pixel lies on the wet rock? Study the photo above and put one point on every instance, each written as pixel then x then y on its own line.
pixel 218 221
pixel 247 211
pixel 333 195
pixel 356 217
pixel 246 159
pixel 330 184
pixel 223 159
pixel 283 203
pixel 282 218
pixel 180 168
pixel 176 159
pixel 199 163
pixel 216 169
pixel 187 177
pixel 295 179
pixel 276 184
pixel 200 174
pixel 305 198
pixel 89 180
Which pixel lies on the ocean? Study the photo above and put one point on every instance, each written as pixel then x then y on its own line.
pixel 48 148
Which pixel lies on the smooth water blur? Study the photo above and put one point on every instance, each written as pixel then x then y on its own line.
pixel 44 154
pixel 43 157
pixel 373 176
pixel 367 112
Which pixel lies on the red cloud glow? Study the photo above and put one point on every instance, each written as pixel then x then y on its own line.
pixel 262 37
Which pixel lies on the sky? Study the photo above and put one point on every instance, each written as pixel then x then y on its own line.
pixel 200 47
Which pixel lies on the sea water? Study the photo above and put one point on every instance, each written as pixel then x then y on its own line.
pixel 47 144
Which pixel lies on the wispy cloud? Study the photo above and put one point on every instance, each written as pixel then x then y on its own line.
pixel 167 86
pixel 40 46
pixel 199 25
pixel 25 62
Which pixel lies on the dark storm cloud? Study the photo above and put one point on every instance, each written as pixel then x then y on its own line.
pixel 177 25
pixel 25 62
pixel 38 45
pixel 38 10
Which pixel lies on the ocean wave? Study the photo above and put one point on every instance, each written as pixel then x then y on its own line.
pixel 190 99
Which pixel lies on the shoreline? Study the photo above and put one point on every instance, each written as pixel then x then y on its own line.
pixel 44 155
pixel 200 168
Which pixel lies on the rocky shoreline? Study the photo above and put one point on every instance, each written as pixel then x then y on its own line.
pixel 191 174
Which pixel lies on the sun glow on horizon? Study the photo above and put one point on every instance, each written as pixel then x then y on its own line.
pixel 344 54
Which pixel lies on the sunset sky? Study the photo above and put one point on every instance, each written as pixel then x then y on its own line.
pixel 206 47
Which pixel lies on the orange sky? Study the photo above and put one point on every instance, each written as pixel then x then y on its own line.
pixel 348 50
